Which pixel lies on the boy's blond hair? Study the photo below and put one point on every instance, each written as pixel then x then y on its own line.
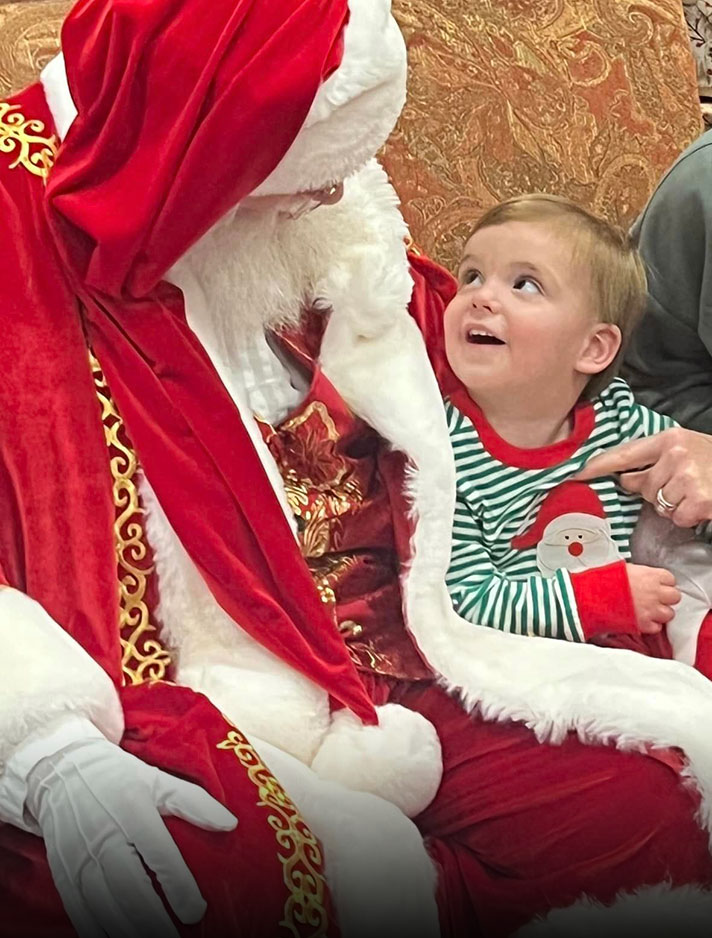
pixel 618 283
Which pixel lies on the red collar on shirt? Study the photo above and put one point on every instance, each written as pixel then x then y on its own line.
pixel 539 457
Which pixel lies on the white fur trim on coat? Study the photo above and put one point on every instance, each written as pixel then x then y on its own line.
pixel 650 912
pixel 46 676
pixel 213 655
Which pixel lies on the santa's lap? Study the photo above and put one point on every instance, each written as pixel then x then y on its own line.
pixel 519 827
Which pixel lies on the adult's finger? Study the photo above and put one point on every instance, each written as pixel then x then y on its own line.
pixel 688 513
pixel 160 853
pixel 648 482
pixel 627 457
pixel 85 925
pixel 128 884
pixel 192 803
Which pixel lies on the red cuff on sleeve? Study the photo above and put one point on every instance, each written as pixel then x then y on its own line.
pixel 604 600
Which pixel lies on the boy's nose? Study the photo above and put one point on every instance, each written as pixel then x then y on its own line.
pixel 485 300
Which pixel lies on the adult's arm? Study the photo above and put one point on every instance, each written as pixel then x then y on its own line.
pixel 669 361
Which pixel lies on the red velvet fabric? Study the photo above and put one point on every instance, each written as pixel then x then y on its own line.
pixel 604 600
pixel 183 109
pixel 519 827
pixel 57 512
pixel 703 656
pixel 57 544
pixel 241 874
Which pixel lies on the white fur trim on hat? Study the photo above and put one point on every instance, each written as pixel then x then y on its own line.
pixel 355 109
pixel 399 760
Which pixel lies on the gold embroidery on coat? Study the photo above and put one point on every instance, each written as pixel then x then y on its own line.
pixel 26 138
pixel 305 915
pixel 142 659
pixel 317 503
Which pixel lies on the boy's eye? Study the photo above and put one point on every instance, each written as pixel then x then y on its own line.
pixel 471 276
pixel 527 285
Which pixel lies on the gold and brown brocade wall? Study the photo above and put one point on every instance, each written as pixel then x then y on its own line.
pixel 592 99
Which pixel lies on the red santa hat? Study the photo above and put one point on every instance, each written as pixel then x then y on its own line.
pixel 184 108
pixel 570 498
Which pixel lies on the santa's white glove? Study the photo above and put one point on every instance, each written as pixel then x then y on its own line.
pixel 99 810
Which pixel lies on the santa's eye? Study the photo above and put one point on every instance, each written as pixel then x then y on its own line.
pixel 471 277
pixel 526 285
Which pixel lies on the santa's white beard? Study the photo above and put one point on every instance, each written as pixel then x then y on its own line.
pixel 258 269
pixel 251 271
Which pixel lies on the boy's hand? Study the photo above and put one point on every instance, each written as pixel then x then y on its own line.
pixel 654 594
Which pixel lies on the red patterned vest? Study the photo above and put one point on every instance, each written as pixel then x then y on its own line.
pixel 338 475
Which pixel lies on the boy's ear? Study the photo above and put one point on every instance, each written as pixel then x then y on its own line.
pixel 601 348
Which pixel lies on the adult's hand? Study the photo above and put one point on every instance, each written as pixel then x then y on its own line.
pixel 673 467
pixel 99 811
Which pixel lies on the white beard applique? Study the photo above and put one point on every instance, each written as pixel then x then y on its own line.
pixel 576 542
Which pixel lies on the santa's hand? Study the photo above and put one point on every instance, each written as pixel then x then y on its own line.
pixel 672 470
pixel 99 811
pixel 654 594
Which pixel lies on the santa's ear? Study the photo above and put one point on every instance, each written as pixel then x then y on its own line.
pixel 600 348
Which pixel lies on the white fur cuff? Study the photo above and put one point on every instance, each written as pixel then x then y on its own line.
pixel 47 675
pixel 399 760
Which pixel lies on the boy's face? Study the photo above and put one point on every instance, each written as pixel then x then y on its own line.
pixel 522 319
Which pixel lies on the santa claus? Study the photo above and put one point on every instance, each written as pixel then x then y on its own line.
pixel 218 408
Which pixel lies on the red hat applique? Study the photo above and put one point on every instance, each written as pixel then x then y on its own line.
pixel 567 499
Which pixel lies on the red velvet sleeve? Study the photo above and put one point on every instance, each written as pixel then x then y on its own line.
pixel 433 288
pixel 604 600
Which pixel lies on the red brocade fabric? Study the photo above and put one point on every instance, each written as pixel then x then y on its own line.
pixel 336 471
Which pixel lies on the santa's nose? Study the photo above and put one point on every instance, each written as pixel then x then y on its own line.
pixel 576 549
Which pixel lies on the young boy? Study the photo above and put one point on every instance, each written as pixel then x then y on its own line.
pixel 548 295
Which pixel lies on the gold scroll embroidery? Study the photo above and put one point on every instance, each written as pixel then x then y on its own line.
pixel 305 915
pixel 142 658
pixel 26 138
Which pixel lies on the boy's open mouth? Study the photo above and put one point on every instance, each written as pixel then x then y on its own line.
pixel 480 337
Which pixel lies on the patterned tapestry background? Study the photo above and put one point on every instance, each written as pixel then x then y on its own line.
pixel 589 98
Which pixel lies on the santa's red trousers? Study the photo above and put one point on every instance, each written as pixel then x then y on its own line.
pixel 519 827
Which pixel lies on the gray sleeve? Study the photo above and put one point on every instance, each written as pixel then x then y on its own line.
pixel 669 360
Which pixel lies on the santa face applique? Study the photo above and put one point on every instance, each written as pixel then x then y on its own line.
pixel 571 531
